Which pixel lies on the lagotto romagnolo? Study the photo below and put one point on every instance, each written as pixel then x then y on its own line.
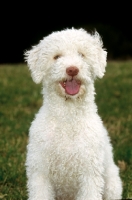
pixel 69 154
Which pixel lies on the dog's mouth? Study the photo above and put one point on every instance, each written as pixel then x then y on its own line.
pixel 72 86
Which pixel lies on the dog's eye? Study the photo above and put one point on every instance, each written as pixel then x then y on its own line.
pixel 57 56
pixel 81 54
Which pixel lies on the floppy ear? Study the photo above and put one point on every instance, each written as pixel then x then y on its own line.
pixel 100 57
pixel 33 59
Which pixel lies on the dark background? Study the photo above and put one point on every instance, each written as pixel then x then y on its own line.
pixel 22 25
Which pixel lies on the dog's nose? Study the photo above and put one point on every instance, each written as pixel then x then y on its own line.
pixel 72 71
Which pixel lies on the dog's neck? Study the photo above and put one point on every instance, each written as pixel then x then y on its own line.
pixel 57 104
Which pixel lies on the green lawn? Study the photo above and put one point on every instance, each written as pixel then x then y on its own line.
pixel 20 99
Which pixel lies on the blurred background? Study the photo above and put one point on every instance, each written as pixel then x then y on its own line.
pixel 22 25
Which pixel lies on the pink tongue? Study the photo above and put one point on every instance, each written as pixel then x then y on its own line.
pixel 72 87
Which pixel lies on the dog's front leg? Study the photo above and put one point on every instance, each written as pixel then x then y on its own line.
pixel 91 188
pixel 39 187
pixel 38 183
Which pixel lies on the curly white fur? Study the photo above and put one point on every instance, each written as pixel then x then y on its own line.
pixel 69 155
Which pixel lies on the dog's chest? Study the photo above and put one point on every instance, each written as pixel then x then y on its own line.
pixel 69 150
pixel 67 161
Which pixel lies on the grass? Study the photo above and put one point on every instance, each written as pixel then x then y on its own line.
pixel 20 99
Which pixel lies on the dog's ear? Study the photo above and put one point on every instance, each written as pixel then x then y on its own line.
pixel 32 57
pixel 100 57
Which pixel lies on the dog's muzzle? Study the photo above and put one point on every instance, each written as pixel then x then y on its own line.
pixel 72 86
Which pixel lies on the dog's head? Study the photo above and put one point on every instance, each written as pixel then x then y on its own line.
pixel 67 61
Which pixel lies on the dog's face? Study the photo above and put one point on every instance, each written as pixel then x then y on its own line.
pixel 67 61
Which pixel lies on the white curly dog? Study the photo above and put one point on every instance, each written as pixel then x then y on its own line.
pixel 69 155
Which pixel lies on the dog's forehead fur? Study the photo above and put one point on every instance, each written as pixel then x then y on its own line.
pixel 74 39
pixel 69 35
